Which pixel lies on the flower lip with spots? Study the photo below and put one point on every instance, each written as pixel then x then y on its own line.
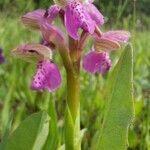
pixel 47 76
pixel 81 15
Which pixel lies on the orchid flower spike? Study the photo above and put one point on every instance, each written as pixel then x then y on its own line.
pixel 76 15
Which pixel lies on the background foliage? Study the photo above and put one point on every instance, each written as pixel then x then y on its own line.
pixel 17 101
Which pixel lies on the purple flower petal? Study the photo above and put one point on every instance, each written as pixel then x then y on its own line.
pixel 52 12
pixel 94 14
pixel 90 1
pixel 55 78
pixel 96 62
pixel 118 36
pixel 105 44
pixel 32 52
pixel 76 17
pixel 2 59
pixel 51 33
pixel 48 44
pixel 47 77
pixel 33 19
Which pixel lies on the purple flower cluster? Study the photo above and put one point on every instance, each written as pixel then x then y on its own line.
pixel 79 18
pixel 2 59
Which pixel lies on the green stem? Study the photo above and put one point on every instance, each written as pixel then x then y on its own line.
pixel 73 79
pixel 73 94
pixel 71 60
pixel 64 53
pixel 73 104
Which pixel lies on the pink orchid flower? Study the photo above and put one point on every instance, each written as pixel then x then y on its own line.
pixel 81 15
pixel 98 61
pixel 47 76
pixel 111 40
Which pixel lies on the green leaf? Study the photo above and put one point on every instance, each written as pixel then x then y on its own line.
pixel 6 135
pixel 69 131
pixel 119 109
pixel 73 134
pixel 80 137
pixel 31 133
pixel 53 137
pixel 62 147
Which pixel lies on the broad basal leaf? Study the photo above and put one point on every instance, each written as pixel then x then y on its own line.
pixel 119 109
pixel 31 133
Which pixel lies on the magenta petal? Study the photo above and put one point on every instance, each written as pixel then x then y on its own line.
pixel 54 80
pixel 90 1
pixel 94 14
pixel 71 24
pixel 46 77
pixel 2 59
pixel 96 62
pixel 33 19
pixel 51 33
pixel 40 78
pixel 118 36
pixel 52 12
pixel 76 17
pixel 48 44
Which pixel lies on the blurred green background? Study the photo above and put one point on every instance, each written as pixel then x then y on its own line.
pixel 17 101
